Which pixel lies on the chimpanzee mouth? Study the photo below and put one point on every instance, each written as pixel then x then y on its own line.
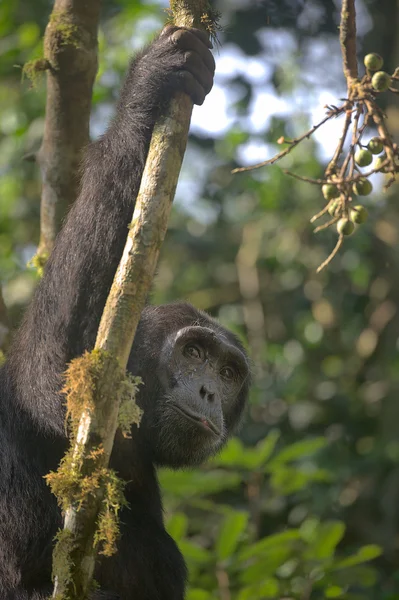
pixel 203 422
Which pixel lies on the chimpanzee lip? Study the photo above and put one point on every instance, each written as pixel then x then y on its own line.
pixel 204 422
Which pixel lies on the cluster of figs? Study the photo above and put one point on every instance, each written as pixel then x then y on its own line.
pixel 380 81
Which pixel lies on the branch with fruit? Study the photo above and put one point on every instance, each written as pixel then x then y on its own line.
pixel 344 182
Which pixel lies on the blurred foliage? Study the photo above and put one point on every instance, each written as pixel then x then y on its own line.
pixel 296 561
pixel 305 504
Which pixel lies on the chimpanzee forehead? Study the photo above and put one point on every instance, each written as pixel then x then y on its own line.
pixel 201 332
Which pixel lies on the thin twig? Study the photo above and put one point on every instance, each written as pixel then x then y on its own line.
pixel 368 173
pixel 223 583
pixel 292 143
pixel 320 214
pixel 326 225
pixel 356 135
pixel 338 180
pixel 307 591
pixel 333 163
pixel 332 255
pixel 305 179
pixel 352 146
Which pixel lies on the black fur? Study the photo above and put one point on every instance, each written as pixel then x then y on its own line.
pixel 62 322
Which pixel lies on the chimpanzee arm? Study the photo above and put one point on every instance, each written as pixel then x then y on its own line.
pixel 63 318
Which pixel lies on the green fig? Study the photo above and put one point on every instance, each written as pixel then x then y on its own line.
pixel 380 160
pixel 375 145
pixel 345 227
pixel 373 61
pixel 330 191
pixel 363 157
pixel 359 214
pixel 332 209
pixel 381 81
pixel 362 187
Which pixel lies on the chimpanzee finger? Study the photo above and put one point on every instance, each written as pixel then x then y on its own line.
pixel 189 84
pixel 185 40
pixel 202 35
pixel 194 64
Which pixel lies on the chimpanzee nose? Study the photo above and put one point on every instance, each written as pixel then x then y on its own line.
pixel 206 393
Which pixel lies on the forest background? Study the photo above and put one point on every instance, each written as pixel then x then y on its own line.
pixel 305 503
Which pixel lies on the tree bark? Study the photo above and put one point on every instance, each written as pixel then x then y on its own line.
pixel 70 51
pixel 347 39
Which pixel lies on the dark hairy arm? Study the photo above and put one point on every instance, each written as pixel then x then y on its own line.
pixel 63 318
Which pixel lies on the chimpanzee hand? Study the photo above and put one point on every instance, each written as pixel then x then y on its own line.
pixel 181 60
pixel 194 62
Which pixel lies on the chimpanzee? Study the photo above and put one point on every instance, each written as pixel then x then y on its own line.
pixel 195 373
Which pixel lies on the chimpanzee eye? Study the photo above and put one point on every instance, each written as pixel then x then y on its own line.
pixel 227 373
pixel 192 351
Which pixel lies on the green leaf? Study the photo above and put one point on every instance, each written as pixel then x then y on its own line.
pixel 264 449
pixel 177 525
pixel 287 570
pixel 197 483
pixel 285 538
pixel 269 588
pixel 197 594
pixel 300 450
pixel 267 564
pixel 328 537
pixel 288 481
pixel 364 573
pixel 233 526
pixel 231 455
pixel 309 529
pixel 334 592
pixel 364 554
pixel 194 553
pixel 236 455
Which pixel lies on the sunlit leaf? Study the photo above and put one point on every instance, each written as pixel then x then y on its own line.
pixel 233 526
pixel 197 483
pixel 364 554
pixel 266 564
pixel 300 450
pixel 269 588
pixel 197 594
pixel 231 455
pixel 177 525
pixel 309 529
pixel 334 592
pixel 264 449
pixel 328 536
pixel 236 455
pixel 194 553
pixel 285 538
pixel 351 576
